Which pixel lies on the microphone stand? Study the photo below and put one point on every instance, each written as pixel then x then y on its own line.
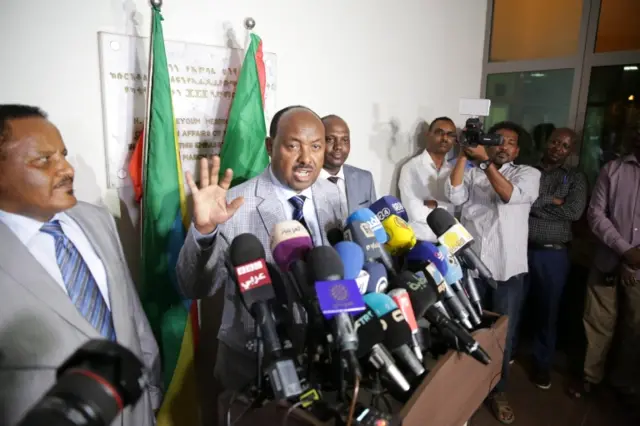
pixel 258 357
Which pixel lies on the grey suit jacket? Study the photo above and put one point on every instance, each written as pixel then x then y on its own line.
pixel 361 191
pixel 40 327
pixel 202 269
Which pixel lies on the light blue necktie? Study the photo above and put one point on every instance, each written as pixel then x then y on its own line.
pixel 81 286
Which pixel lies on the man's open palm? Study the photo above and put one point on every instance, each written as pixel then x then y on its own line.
pixel 210 207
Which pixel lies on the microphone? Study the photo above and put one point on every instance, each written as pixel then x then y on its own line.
pixel 387 206
pixel 370 338
pixel 424 297
pixel 453 277
pixel 361 234
pixel 425 254
pixel 337 298
pixel 457 239
pixel 246 255
pixel 288 310
pixel 398 333
pixel 401 236
pixel 378 281
pixel 367 216
pixel 401 298
pixel 290 241
pixel 352 258
pixel 363 281
pixel 472 289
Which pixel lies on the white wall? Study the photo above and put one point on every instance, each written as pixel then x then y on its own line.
pixel 382 65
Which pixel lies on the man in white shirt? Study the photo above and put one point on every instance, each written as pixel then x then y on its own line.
pixel 355 185
pixel 496 198
pixel 423 177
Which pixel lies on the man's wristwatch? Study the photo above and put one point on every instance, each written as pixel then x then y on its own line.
pixel 484 165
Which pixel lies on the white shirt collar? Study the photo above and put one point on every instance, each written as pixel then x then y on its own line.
pixel 326 175
pixel 428 161
pixel 285 190
pixel 25 227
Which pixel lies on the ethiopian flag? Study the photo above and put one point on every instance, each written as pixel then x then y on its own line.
pixel 243 149
pixel 156 170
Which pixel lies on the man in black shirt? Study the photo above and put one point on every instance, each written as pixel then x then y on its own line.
pixel 562 200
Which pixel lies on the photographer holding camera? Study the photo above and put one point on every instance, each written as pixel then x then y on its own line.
pixel 496 197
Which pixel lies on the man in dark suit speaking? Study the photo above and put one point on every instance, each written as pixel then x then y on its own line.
pixel 355 185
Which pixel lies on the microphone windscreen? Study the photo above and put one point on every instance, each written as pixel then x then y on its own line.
pixel 245 248
pixel 380 303
pixel 378 280
pixel 290 241
pixel 398 332
pixel 246 255
pixel 454 271
pixel 352 258
pixel 440 220
pixel 334 236
pixel 386 206
pixel 401 236
pixel 421 294
pixel 427 252
pixel 367 216
pixel 370 332
pixel 324 264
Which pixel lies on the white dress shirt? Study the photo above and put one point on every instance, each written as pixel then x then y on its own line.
pixel 308 210
pixel 42 246
pixel 420 180
pixel 342 187
pixel 500 229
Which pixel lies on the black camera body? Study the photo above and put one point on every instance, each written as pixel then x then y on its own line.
pixel 473 135
pixel 93 386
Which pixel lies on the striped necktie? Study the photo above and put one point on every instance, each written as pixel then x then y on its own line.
pixel 333 179
pixel 80 284
pixel 297 201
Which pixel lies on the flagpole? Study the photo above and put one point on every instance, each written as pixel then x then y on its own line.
pixel 147 112
pixel 249 25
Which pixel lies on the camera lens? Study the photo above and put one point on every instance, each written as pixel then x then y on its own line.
pixel 94 385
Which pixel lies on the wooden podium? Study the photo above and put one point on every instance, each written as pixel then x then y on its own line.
pixel 452 391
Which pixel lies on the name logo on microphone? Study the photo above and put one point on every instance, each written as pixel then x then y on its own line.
pixel 420 283
pixel 397 315
pixel 252 275
pixel 336 297
pixel 383 214
pixel 364 319
pixel 382 285
pixel 400 223
pixel 366 230
pixel 455 238
pixel 374 223
pixel 398 207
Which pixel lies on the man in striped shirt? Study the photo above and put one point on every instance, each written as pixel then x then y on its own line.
pixel 496 198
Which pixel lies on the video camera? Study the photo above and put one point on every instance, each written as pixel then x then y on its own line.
pixel 93 386
pixel 473 135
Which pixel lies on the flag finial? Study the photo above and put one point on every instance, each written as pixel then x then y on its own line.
pixel 249 23
pixel 156 3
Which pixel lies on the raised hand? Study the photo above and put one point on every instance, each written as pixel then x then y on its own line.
pixel 210 207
